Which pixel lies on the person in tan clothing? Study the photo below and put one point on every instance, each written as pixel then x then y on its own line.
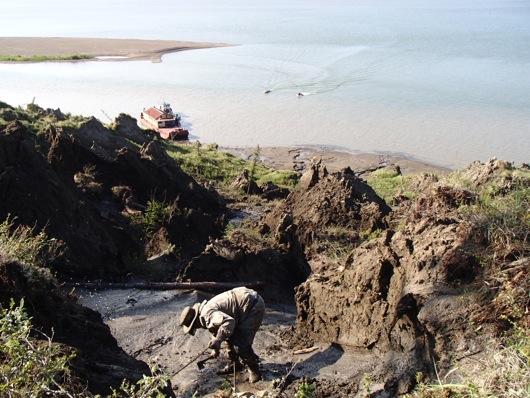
pixel 233 317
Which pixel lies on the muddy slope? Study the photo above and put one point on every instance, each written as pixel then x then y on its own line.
pixel 85 186
pixel 280 251
pixel 403 294
pixel 326 207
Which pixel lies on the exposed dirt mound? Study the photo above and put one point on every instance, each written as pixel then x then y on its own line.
pixel 406 293
pixel 326 207
pixel 244 259
pixel 85 186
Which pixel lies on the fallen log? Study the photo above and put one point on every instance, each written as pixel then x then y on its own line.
pixel 207 286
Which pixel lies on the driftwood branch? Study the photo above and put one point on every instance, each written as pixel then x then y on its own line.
pixel 207 286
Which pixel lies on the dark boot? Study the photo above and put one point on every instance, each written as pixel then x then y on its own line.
pixel 250 359
pixel 233 365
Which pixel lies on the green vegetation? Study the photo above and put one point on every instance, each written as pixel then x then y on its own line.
pixel 369 234
pixel 27 246
pixel 155 214
pixel 253 164
pixel 504 220
pixel 389 183
pixel 38 119
pixel 209 165
pixel 43 58
pixel 305 390
pixel 29 367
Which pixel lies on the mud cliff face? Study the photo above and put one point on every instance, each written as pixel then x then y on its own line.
pixel 407 294
pixel 398 296
pixel 84 185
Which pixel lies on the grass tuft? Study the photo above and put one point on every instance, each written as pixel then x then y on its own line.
pixel 44 58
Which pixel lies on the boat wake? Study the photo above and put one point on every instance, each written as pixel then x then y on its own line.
pixel 300 73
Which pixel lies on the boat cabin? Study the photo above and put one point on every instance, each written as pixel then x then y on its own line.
pixel 162 119
pixel 160 116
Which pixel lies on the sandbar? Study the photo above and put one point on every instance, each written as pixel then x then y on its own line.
pixel 99 49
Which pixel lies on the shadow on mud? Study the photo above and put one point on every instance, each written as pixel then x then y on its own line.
pixel 312 365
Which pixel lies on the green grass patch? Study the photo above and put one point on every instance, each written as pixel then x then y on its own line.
pixel 44 58
pixel 206 163
pixel 388 183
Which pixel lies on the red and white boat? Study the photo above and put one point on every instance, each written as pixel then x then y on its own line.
pixel 162 119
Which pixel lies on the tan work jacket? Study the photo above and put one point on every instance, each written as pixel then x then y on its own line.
pixel 235 315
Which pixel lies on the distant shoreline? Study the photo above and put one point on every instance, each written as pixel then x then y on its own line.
pixel 98 49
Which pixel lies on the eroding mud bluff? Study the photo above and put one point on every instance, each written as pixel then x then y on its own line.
pixel 84 184
pixel 400 294
pixel 389 284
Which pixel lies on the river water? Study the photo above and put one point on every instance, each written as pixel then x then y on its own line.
pixel 445 82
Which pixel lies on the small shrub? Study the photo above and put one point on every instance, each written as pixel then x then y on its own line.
pixel 29 367
pixel 155 214
pixel 305 390
pixel 147 386
pixel 24 244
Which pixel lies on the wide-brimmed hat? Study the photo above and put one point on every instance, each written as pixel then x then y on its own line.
pixel 188 318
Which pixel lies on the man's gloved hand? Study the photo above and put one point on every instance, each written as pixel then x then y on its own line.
pixel 215 345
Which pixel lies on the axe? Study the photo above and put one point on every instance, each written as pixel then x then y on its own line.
pixel 201 363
